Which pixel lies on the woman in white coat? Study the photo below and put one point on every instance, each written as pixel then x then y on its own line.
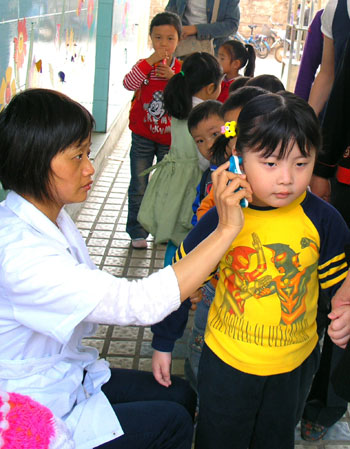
pixel 52 295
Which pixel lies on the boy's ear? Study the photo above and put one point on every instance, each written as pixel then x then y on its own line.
pixel 210 88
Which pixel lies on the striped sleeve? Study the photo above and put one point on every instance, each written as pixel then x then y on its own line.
pixel 334 243
pixel 134 79
pixel 334 252
pixel 333 272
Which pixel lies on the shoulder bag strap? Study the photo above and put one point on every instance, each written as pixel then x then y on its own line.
pixel 215 11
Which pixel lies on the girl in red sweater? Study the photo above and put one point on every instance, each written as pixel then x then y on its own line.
pixel 149 123
pixel 233 56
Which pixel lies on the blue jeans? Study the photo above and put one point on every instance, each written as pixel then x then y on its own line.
pixel 142 153
pixel 196 339
pixel 151 416
pixel 239 410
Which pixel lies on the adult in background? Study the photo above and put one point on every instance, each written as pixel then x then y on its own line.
pixel 311 59
pixel 324 407
pixel 196 16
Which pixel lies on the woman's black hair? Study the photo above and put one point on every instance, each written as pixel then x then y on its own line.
pixel 203 111
pixel 238 83
pixel 238 99
pixel 36 125
pixel 273 121
pixel 166 18
pixel 268 82
pixel 198 70
pixel 245 54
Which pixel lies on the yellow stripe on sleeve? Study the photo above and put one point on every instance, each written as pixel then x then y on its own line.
pixel 332 271
pixel 333 281
pixel 329 262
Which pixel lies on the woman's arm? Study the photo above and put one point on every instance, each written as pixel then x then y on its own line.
pixel 324 80
pixel 192 270
pixel 225 25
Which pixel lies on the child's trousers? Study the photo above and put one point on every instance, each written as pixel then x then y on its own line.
pixel 239 410
pixel 142 153
pixel 196 338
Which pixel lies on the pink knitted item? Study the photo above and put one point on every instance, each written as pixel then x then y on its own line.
pixel 26 424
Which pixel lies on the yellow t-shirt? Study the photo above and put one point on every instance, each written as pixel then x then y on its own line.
pixel 263 318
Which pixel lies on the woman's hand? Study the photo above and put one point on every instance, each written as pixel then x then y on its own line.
pixel 193 270
pixel 227 196
pixel 188 30
pixel 339 328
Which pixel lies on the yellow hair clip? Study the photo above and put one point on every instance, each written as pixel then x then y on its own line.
pixel 229 129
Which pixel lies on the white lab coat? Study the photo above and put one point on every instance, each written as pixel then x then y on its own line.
pixel 48 286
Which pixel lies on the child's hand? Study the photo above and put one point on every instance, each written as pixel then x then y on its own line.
pixel 227 197
pixel 195 298
pixel 161 362
pixel 339 329
pixel 164 71
pixel 160 55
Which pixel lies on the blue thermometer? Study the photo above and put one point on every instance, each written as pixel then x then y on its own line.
pixel 235 162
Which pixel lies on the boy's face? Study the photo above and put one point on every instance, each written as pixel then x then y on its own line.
pixel 278 182
pixel 164 37
pixel 205 133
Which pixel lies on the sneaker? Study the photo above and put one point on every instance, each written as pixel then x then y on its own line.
pixel 139 243
pixel 311 431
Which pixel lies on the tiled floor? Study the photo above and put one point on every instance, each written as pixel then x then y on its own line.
pixel 102 224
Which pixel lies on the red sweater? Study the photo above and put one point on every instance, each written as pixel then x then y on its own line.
pixel 147 115
pixel 225 85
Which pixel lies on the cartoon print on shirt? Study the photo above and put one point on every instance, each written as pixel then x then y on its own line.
pixel 291 285
pixel 156 107
pixel 245 278
pixel 241 284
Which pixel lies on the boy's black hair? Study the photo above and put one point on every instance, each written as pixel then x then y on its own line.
pixel 240 97
pixel 166 18
pixel 245 53
pixel 203 111
pixel 268 82
pixel 239 82
pixel 198 70
pixel 273 121
pixel 237 99
pixel 36 125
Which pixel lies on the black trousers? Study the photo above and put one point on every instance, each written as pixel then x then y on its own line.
pixel 151 416
pixel 239 410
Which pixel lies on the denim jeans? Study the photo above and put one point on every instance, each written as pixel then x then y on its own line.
pixel 151 416
pixel 196 339
pixel 239 410
pixel 142 153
